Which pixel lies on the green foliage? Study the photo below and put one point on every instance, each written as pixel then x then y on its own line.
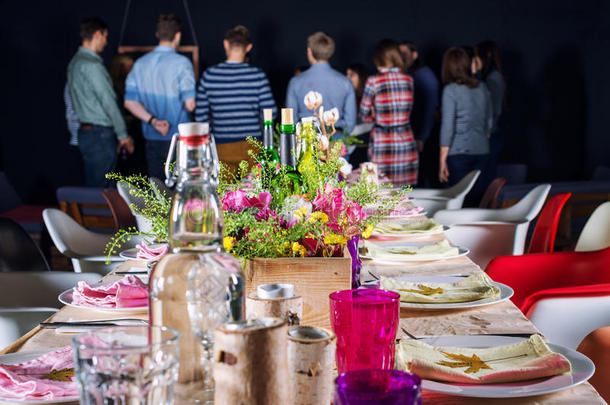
pixel 156 209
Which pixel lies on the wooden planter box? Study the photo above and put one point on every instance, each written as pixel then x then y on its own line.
pixel 314 278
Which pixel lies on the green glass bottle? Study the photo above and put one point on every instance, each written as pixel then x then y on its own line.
pixel 268 157
pixel 288 158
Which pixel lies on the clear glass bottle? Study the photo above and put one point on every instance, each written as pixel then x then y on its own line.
pixel 200 286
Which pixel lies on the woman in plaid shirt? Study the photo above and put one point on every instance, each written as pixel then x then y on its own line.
pixel 387 101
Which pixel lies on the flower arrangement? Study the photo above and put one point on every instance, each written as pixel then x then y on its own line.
pixel 265 218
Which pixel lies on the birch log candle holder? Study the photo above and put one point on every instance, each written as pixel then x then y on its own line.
pixel 311 361
pixel 250 362
pixel 281 303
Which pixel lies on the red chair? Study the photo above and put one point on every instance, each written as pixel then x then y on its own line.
pixel 543 239
pixel 490 198
pixel 528 274
pixel 596 346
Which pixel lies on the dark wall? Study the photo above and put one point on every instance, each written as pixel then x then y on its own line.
pixel 555 56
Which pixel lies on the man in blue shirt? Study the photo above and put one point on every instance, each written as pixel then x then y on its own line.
pixel 160 91
pixel 336 89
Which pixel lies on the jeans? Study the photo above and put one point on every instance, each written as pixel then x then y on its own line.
pixel 98 146
pixel 460 165
pixel 156 154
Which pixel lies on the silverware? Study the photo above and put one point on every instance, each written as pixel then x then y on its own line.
pixel 93 323
pixel 131 272
pixel 523 335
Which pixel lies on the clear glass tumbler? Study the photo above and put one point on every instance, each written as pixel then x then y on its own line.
pixel 365 322
pixel 127 365
pixel 380 387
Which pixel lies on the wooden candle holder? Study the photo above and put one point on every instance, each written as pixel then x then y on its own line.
pixel 250 364
pixel 311 362
pixel 289 309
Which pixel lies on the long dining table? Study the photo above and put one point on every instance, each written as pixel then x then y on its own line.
pixel 502 318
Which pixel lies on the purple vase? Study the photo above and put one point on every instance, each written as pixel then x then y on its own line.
pixel 352 247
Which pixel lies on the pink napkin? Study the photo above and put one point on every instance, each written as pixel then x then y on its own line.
pixel 145 252
pixel 25 381
pixel 128 292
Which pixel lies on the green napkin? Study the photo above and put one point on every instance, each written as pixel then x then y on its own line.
pixel 407 228
pixel 471 288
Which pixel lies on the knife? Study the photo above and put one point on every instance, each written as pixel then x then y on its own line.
pixel 94 324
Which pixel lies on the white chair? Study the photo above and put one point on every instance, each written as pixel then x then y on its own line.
pixel 16 322
pixel 596 233
pixel 39 288
pixel 567 321
pixel 486 240
pixel 521 213
pixel 132 201
pixel 432 199
pixel 84 247
pixel 160 189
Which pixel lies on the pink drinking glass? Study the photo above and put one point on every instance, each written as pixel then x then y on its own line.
pixel 365 322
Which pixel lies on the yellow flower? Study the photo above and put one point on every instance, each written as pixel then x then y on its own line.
pixel 300 213
pixel 298 249
pixel 367 232
pixel 227 243
pixel 334 239
pixel 318 216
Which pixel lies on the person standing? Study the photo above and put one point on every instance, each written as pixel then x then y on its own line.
pixel 491 74
pixel 94 101
pixel 231 97
pixel 336 89
pixel 466 121
pixel 160 91
pixel 425 108
pixel 388 101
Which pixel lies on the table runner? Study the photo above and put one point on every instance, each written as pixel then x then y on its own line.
pixel 498 318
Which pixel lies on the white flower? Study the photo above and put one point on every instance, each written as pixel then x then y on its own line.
pixel 345 169
pixel 295 208
pixel 331 116
pixel 322 142
pixel 313 100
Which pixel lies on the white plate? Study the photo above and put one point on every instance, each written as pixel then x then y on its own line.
pixel 505 293
pixel 66 299
pixel 391 237
pixel 22 357
pixel 582 370
pixel 132 254
pixel 411 258
pixel 402 217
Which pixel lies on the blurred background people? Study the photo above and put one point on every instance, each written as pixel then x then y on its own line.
pixel 357 74
pixel 491 73
pixel 424 115
pixel 336 89
pixel 388 101
pixel 467 118
pixel 160 91
pixel 95 104
pixel 231 96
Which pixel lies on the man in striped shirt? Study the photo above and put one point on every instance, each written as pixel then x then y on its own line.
pixel 231 97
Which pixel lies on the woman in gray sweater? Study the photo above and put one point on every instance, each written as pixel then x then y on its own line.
pixel 466 119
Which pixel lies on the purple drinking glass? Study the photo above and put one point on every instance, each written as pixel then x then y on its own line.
pixel 365 322
pixel 380 387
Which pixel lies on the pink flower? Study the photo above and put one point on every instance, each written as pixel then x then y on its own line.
pixel 261 202
pixel 331 201
pixel 234 201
